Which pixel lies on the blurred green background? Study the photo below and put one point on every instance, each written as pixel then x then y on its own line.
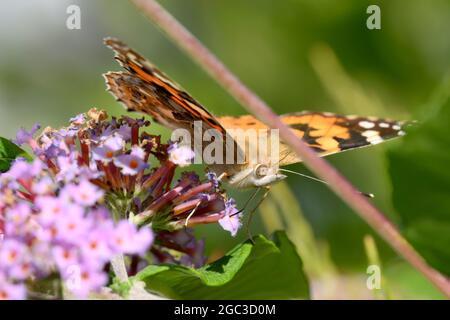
pixel 296 54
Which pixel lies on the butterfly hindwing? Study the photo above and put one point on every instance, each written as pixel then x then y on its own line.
pixel 325 132
pixel 330 133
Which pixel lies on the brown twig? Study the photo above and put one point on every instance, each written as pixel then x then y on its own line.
pixel 377 220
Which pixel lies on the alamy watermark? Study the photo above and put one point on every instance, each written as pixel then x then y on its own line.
pixel 73 277
pixel 73 21
pixel 373 22
pixel 373 281
pixel 235 146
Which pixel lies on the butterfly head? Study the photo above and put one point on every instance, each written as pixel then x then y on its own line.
pixel 259 175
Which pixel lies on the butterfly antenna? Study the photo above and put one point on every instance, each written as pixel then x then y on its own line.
pixel 368 195
pixel 250 216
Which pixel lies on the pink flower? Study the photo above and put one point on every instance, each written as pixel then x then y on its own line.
pixel 95 249
pixel 21 169
pixel 9 291
pixel 65 256
pixel 68 169
pixel 109 149
pixel 44 186
pixel 73 226
pixel 82 280
pixel 18 215
pixel 17 220
pixel 24 136
pixel 231 221
pixel 131 164
pixel 125 132
pixel 78 120
pixel 181 156
pixel 50 209
pixel 85 193
pixel 128 240
pixel 12 252
pixel 21 271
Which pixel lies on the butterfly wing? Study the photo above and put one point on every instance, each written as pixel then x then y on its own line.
pixel 326 133
pixel 146 89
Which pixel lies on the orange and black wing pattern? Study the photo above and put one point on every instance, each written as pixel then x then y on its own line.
pixel 144 88
pixel 325 132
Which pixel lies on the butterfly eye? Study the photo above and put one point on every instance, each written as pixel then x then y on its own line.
pixel 261 170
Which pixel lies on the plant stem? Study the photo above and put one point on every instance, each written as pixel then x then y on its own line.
pixel 137 290
pixel 377 220
pixel 119 269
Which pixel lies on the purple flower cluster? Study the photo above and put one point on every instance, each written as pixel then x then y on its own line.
pixel 49 227
pixel 68 212
pixel 189 250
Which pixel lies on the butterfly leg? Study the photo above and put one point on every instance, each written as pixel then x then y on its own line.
pixel 223 175
pixel 247 202
pixel 253 211
pixel 192 213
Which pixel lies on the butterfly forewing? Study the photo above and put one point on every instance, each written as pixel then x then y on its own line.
pixel 146 89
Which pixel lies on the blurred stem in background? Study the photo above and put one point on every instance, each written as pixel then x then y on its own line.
pixel 437 99
pixel 373 259
pixel 282 211
pixel 349 96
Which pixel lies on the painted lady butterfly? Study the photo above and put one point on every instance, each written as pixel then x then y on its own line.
pixel 142 87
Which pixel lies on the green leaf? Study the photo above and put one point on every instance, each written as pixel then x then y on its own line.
pixel 8 152
pixel 420 173
pixel 263 270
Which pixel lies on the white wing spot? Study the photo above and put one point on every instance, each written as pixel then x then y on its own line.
pixel 401 133
pixel 373 137
pixel 396 127
pixel 369 133
pixel 383 125
pixel 375 140
pixel 366 124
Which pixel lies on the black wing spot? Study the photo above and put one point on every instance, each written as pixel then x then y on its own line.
pixel 161 91
pixel 187 97
pixel 301 126
pixel 317 149
pixel 309 140
pixel 355 140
